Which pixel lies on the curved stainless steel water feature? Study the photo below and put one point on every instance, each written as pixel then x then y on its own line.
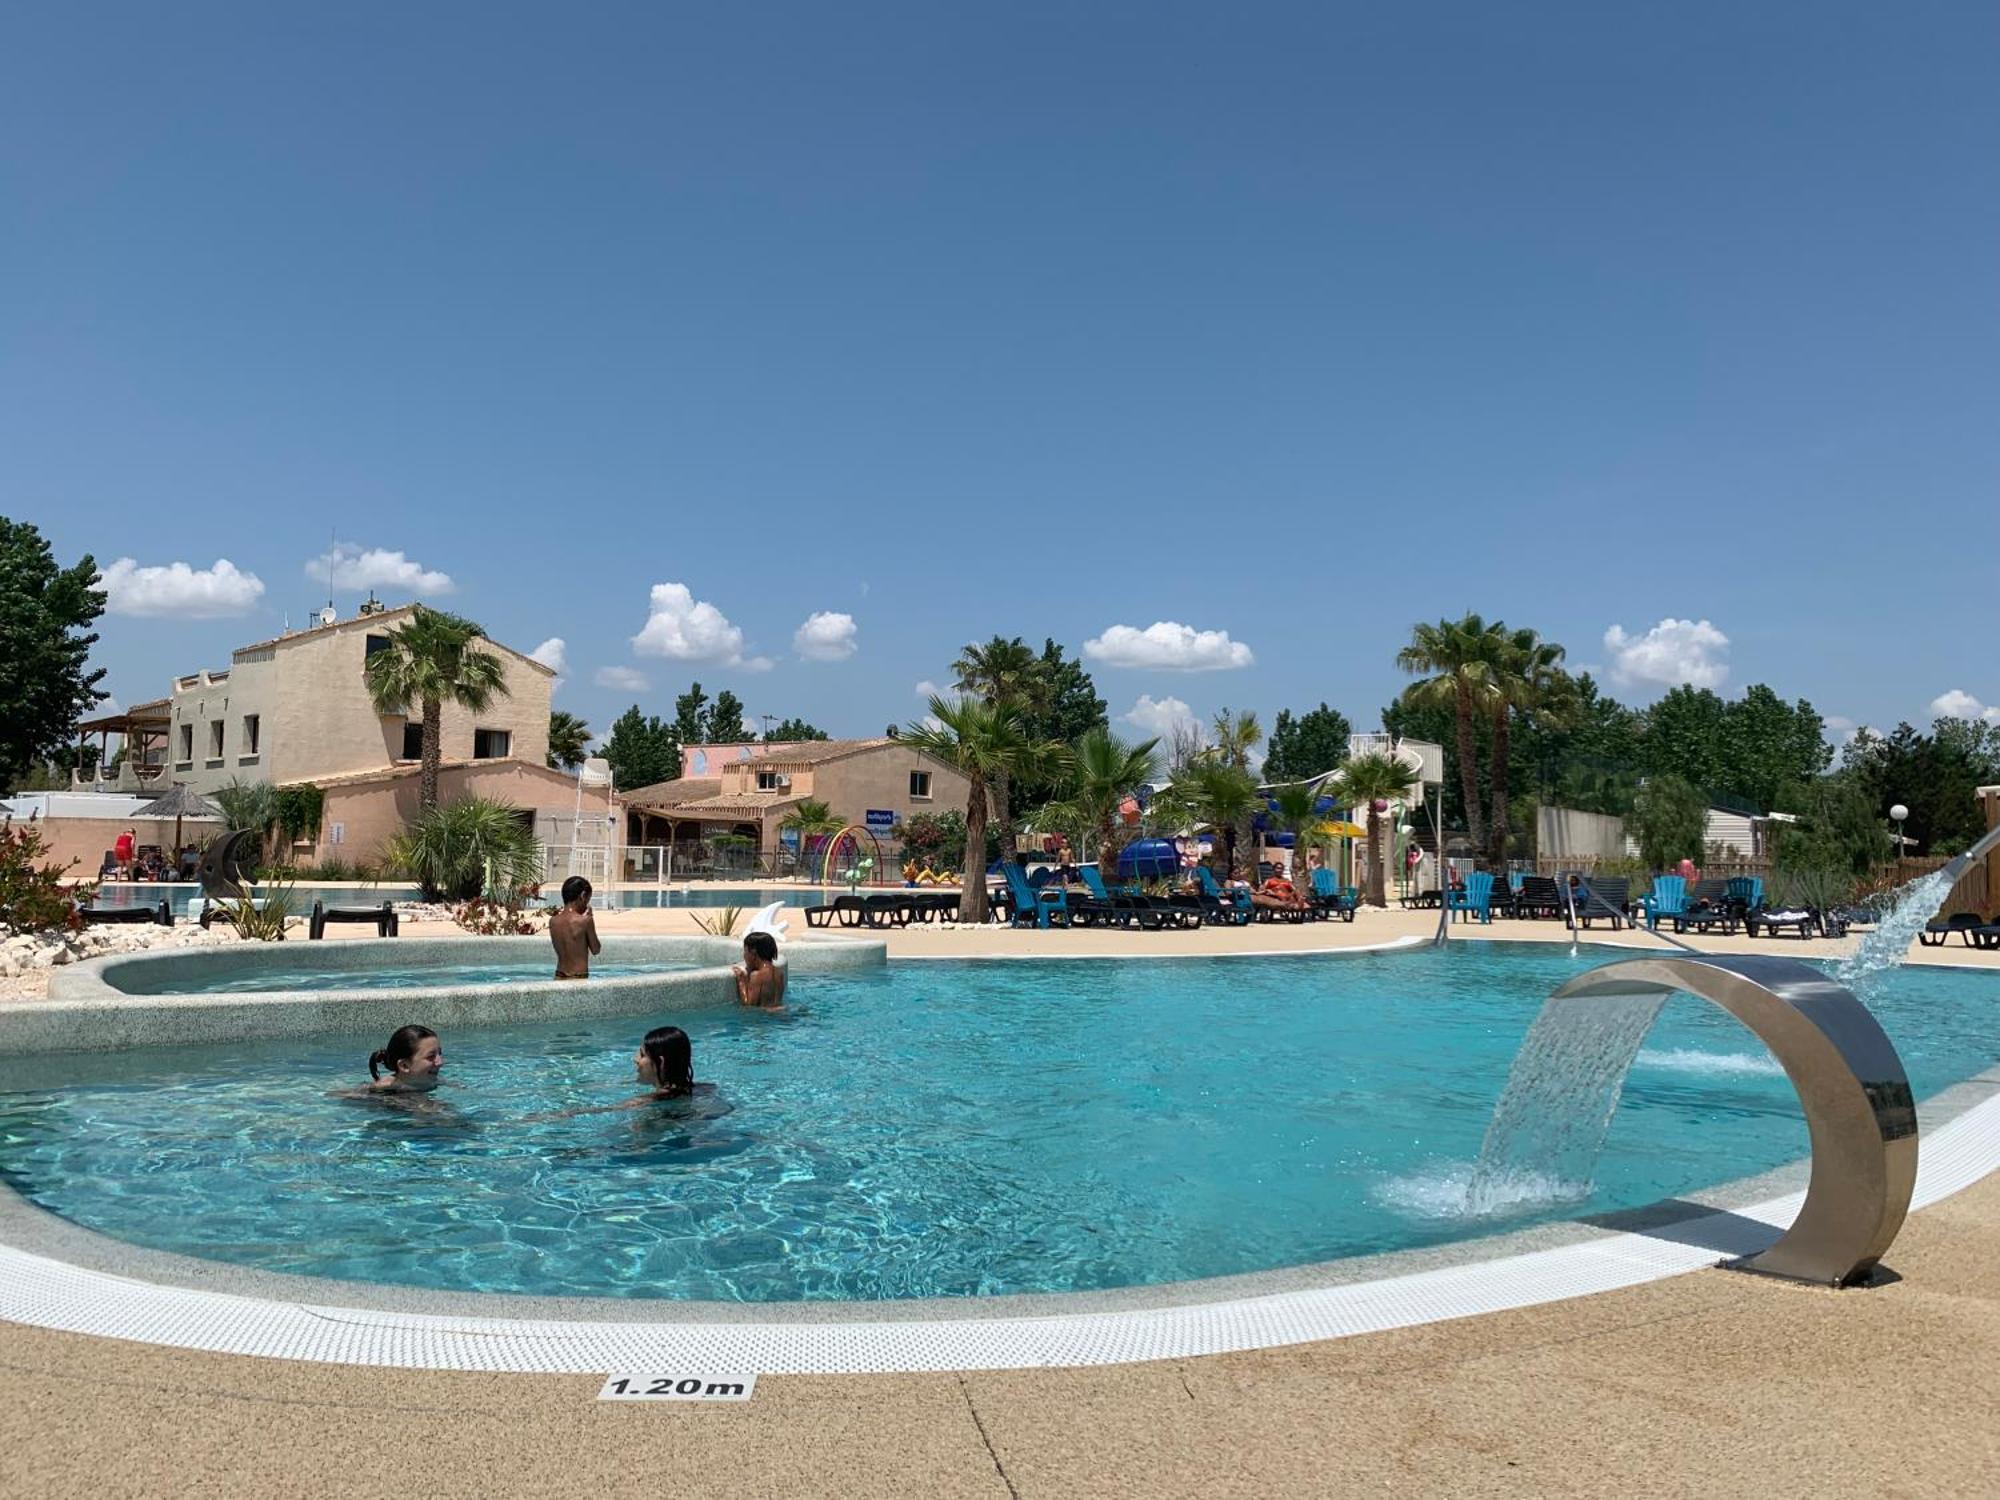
pixel 1850 1081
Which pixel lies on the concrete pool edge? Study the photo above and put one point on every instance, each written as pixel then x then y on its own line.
pixel 57 1275
pixel 119 1019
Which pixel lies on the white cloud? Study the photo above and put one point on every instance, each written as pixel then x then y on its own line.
pixel 1838 721
pixel 1159 717
pixel 212 593
pixel 825 636
pixel 681 627
pixel 625 679
pixel 349 567
pixel 1168 645
pixel 1672 654
pixel 553 653
pixel 1959 704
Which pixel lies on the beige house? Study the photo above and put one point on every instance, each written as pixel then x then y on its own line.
pixel 749 789
pixel 295 710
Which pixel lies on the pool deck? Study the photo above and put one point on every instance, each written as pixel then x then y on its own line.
pixel 1706 1383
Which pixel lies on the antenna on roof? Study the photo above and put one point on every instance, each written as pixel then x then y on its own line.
pixel 332 546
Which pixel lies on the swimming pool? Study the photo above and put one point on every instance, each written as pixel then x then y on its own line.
pixel 184 898
pixel 936 1129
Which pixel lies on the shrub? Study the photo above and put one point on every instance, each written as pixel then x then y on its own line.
pixel 33 897
pixel 470 847
pixel 297 811
pixel 722 924
pixel 488 918
pixel 1669 817
pixel 260 924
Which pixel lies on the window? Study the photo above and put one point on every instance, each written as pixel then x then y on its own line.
pixel 770 781
pixel 186 757
pixel 920 786
pixel 375 643
pixel 491 744
pixel 413 741
pixel 215 740
pixel 251 724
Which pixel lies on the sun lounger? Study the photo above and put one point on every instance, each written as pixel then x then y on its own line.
pixel 1604 896
pixel 1937 934
pixel 383 916
pixel 887 911
pixel 1031 907
pixel 845 909
pixel 94 916
pixel 1773 920
pixel 1539 896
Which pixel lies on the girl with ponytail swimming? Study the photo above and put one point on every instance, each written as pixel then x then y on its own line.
pixel 410 1064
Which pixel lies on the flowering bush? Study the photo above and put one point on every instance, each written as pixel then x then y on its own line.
pixel 498 918
pixel 33 897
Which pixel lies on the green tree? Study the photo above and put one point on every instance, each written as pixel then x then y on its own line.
pixel 642 750
pixel 691 716
pixel 1104 771
pixel 810 819
pixel 1766 746
pixel 1294 808
pixel 569 740
pixel 790 731
pixel 1452 658
pixel 1523 673
pixel 725 721
pixel 1070 709
pixel 46 684
pixel 1669 819
pixel 433 659
pixel 1003 674
pixel 1836 829
pixel 1364 782
pixel 1209 792
pixel 467 847
pixel 981 741
pixel 1310 745
pixel 1935 775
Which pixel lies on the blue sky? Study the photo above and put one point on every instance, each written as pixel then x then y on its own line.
pixel 665 330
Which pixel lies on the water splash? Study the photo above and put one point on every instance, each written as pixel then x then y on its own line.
pixel 1449 1192
pixel 1909 909
pixel 1561 1093
pixel 1694 1060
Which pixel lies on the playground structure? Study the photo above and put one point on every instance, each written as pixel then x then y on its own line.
pixel 848 842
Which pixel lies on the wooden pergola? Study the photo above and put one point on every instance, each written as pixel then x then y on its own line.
pixel 141 726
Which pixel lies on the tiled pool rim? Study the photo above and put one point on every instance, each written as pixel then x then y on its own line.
pixel 57 1275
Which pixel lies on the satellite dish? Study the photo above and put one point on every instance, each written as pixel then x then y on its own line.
pixel 327 615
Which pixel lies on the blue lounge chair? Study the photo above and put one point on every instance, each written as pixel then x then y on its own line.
pixel 1668 899
pixel 1231 906
pixel 1476 899
pixel 1330 898
pixel 1033 908
pixel 1745 893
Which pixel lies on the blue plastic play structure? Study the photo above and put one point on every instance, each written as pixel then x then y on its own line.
pixel 1148 859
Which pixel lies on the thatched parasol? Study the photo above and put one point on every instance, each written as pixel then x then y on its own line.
pixel 180 802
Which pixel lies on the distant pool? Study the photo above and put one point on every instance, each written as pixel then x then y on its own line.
pixel 415 977
pixel 184 898
pixel 933 1129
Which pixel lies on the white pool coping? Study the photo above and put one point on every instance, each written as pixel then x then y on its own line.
pixel 57 1276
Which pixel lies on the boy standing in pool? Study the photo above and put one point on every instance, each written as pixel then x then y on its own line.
pixel 573 930
pixel 760 981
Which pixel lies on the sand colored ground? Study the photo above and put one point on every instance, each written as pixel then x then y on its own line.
pixel 1713 1383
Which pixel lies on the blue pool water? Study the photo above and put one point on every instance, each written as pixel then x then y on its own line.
pixel 416 976
pixel 185 898
pixel 941 1129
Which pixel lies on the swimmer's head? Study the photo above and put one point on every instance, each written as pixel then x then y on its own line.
pixel 413 1058
pixel 576 893
pixel 761 945
pixel 666 1060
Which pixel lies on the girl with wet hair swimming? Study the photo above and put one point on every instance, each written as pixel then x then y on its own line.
pixel 410 1064
pixel 665 1059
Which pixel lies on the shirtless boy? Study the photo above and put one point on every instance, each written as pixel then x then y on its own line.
pixel 573 930
pixel 759 980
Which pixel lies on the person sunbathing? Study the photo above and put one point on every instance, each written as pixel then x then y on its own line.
pixel 1276 894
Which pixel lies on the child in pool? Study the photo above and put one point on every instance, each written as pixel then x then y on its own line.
pixel 664 1062
pixel 760 978
pixel 410 1064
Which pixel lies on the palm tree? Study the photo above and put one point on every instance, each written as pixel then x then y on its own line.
pixel 1005 674
pixel 1455 653
pixel 1210 791
pixel 569 740
pixel 1106 770
pixel 1373 781
pixel 983 742
pixel 434 660
pixel 810 819
pixel 1236 735
pixel 1522 666
pixel 1295 809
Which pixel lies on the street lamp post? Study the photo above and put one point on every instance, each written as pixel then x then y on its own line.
pixel 1403 857
pixel 1899 813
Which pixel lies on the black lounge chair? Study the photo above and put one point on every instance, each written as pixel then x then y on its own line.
pixel 1604 896
pixel 1422 900
pixel 1985 936
pixel 847 909
pixel 1539 896
pixel 94 916
pixel 1774 920
pixel 888 911
pixel 383 917
pixel 936 906
pixel 1937 934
